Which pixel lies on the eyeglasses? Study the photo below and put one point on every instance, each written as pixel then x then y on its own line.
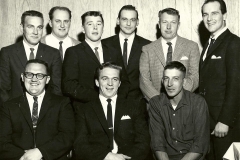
pixel 30 75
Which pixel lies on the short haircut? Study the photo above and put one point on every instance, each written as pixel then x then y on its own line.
pixel 52 10
pixel 30 13
pixel 170 11
pixel 176 65
pixel 129 8
pixel 108 65
pixel 91 13
pixel 223 6
pixel 39 62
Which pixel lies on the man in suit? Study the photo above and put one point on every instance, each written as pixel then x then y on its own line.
pixel 169 47
pixel 82 60
pixel 111 127
pixel 14 57
pixel 36 125
pixel 129 46
pixel 60 22
pixel 219 78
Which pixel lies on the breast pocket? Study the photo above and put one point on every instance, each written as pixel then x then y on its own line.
pixel 126 129
pixel 187 132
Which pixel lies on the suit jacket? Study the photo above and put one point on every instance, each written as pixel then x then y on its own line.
pixel 152 63
pixel 133 61
pixel 93 136
pixel 54 133
pixel 74 41
pixel 79 66
pixel 219 79
pixel 12 63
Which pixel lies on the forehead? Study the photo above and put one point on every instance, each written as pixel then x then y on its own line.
pixel 173 73
pixel 61 14
pixel 169 17
pixel 93 19
pixel 128 13
pixel 36 68
pixel 109 72
pixel 211 7
pixel 33 20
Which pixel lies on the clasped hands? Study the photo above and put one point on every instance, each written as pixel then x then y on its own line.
pixel 32 154
pixel 221 130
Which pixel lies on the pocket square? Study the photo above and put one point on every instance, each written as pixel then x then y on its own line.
pixel 184 58
pixel 214 57
pixel 125 117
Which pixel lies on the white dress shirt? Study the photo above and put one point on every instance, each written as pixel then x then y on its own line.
pixel 28 51
pixel 129 43
pixel 165 46
pixel 31 101
pixel 100 50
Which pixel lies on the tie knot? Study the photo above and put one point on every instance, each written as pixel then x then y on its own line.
pixel 125 39
pixel 212 40
pixel 109 100
pixel 169 43
pixel 60 42
pixel 32 49
pixel 96 48
pixel 35 98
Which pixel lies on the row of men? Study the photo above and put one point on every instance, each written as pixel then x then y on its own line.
pixel 218 62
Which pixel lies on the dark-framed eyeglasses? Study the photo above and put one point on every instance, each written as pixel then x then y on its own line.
pixel 30 75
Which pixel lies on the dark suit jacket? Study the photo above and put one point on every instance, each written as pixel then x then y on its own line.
pixel 131 135
pixel 133 61
pixel 79 66
pixel 54 133
pixel 12 63
pixel 219 79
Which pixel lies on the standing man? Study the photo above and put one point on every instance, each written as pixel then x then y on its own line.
pixel 179 119
pixel 129 46
pixel 60 22
pixel 169 47
pixel 38 124
pixel 219 78
pixel 111 127
pixel 14 57
pixel 82 60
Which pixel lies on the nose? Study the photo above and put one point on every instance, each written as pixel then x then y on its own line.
pixel 34 78
pixel 209 18
pixel 169 26
pixel 110 82
pixel 62 25
pixel 170 82
pixel 128 22
pixel 35 31
pixel 95 26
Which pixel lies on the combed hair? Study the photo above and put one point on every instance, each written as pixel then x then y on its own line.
pixel 39 61
pixel 223 6
pixel 52 10
pixel 170 11
pixel 91 13
pixel 129 8
pixel 32 13
pixel 176 65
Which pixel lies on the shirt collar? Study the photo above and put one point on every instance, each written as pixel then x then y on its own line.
pixel 102 98
pixel 182 102
pixel 66 40
pixel 39 96
pixel 219 33
pixel 27 46
pixel 130 38
pixel 173 41
pixel 93 47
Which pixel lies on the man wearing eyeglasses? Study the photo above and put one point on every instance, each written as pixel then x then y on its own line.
pixel 37 125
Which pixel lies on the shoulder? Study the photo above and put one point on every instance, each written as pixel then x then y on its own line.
pixel 142 40
pixel 152 44
pixel 46 47
pixel 12 46
pixel 186 41
pixel 14 101
pixel 74 41
pixel 109 39
pixel 194 99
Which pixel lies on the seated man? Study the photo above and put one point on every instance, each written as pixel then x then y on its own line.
pixel 179 119
pixel 111 127
pixel 38 124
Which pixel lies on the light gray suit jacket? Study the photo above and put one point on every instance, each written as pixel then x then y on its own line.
pixel 152 63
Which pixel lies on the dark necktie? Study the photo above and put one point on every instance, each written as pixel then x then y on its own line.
pixel 97 54
pixel 31 54
pixel 210 45
pixel 110 123
pixel 35 112
pixel 125 53
pixel 61 49
pixel 169 53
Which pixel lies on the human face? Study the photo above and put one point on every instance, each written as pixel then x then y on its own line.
pixel 93 28
pixel 60 24
pixel 168 25
pixel 108 82
pixel 173 81
pixel 213 18
pixel 32 30
pixel 35 86
pixel 128 22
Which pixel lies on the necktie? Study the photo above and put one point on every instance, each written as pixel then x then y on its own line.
pixel 110 123
pixel 169 53
pixel 210 45
pixel 61 49
pixel 35 112
pixel 96 53
pixel 125 53
pixel 31 54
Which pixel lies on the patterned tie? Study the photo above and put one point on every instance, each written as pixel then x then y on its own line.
pixel 210 45
pixel 96 53
pixel 110 123
pixel 35 112
pixel 61 49
pixel 31 54
pixel 125 52
pixel 169 53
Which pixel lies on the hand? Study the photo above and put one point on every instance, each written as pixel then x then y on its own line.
pixel 113 156
pixel 221 130
pixel 32 154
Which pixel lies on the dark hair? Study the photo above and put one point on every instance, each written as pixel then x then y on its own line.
pixel 52 10
pixel 107 65
pixel 91 13
pixel 176 65
pixel 39 62
pixel 30 13
pixel 127 7
pixel 170 11
pixel 223 7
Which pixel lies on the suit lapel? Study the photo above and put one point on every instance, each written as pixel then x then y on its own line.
pixel 134 48
pixel 159 51
pixel 46 105
pixel 201 57
pixel 118 113
pixel 106 55
pixel 178 50
pixel 90 52
pixel 40 51
pixel 21 53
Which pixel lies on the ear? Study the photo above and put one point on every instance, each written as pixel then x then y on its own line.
pixel 21 27
pixel 97 83
pixel 137 22
pixel 225 16
pixel 22 77
pixel 83 30
pixel 118 21
pixel 119 84
pixel 48 79
pixel 50 23
pixel 184 81
pixel 159 25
